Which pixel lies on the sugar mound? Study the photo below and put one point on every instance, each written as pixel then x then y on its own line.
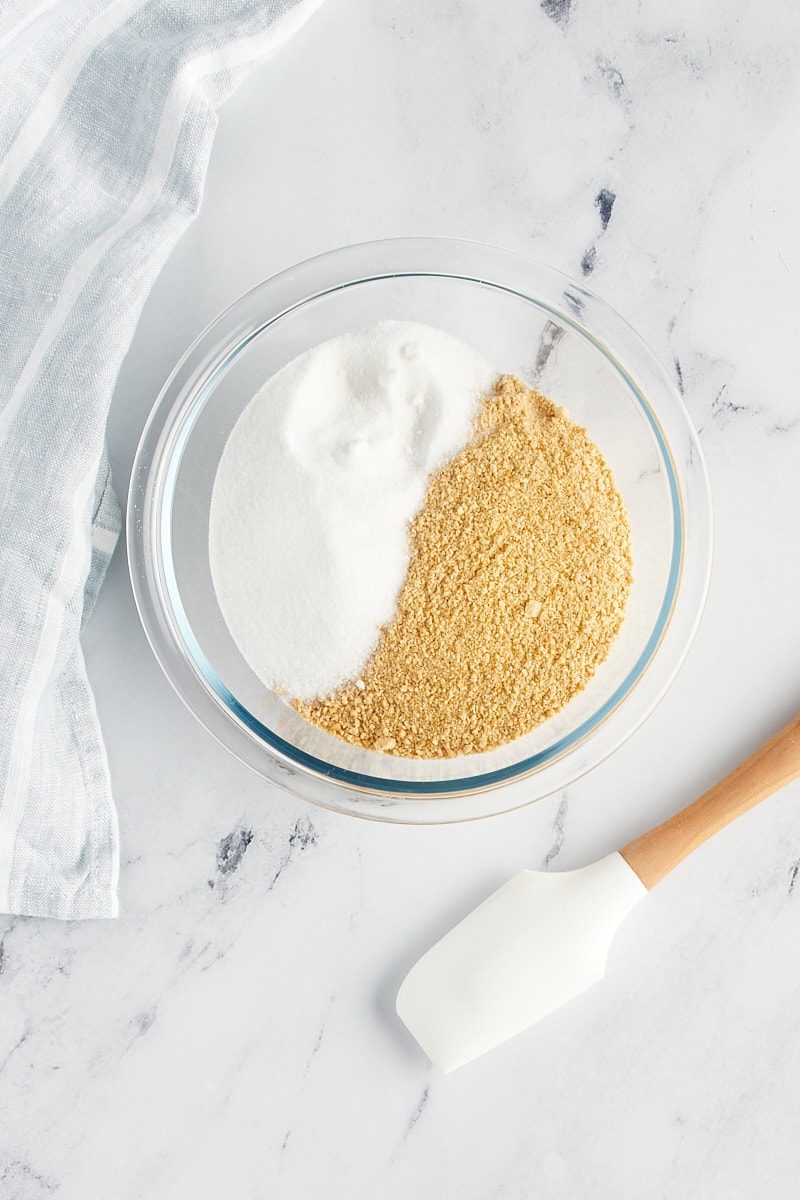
pixel 316 486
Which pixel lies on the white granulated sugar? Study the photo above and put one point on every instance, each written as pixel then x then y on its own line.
pixel 317 484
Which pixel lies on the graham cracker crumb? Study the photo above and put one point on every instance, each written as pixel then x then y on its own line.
pixel 519 573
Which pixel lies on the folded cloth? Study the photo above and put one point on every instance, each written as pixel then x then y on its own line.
pixel 107 113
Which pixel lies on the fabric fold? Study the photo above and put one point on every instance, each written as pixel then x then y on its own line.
pixel 105 133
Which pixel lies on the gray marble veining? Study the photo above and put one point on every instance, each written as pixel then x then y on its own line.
pixel 233 1033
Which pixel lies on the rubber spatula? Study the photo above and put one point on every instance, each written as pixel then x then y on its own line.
pixel 544 937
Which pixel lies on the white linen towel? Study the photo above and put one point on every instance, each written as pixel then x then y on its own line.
pixel 107 114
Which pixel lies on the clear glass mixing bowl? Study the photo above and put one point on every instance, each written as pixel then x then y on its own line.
pixel 530 321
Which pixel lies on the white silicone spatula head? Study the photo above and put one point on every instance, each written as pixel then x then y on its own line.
pixel 534 944
pixel 543 938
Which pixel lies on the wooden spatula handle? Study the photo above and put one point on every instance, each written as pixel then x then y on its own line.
pixel 654 854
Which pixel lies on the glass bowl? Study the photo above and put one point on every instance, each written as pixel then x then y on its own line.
pixel 528 320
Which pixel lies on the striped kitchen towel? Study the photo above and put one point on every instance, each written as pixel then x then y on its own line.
pixel 107 113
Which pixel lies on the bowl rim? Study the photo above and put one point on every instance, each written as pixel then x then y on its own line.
pixel 169 426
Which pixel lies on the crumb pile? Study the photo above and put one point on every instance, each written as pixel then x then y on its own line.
pixel 519 572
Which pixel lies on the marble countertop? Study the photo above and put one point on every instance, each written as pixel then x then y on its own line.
pixel 233 1033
